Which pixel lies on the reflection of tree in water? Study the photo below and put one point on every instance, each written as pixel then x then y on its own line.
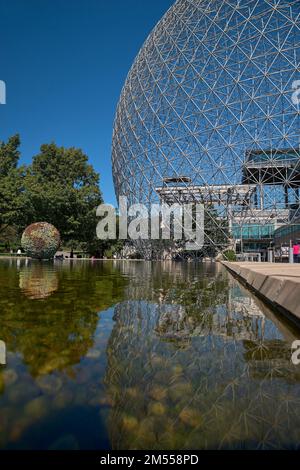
pixel 56 331
pixel 195 300
pixel 180 368
pixel 188 284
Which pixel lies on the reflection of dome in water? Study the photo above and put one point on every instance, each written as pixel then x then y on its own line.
pixel 38 281
pixel 209 97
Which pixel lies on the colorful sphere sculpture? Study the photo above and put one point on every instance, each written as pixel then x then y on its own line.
pixel 40 240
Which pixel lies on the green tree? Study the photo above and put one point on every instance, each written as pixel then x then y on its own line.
pixel 9 155
pixel 63 189
pixel 59 187
pixel 13 203
pixel 9 238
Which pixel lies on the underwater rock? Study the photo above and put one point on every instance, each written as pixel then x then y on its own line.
pixel 2 384
pixel 17 430
pixel 49 384
pixel 5 417
pixel 62 399
pixel 19 426
pixel 83 375
pixel 180 390
pixel 158 393
pixel 129 423
pixel 191 417
pixel 177 370
pixel 162 376
pixel 37 408
pixel 157 361
pixel 132 392
pixel 10 376
pixel 145 437
pixel 157 408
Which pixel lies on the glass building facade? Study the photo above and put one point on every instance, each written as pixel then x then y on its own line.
pixel 253 232
pixel 286 235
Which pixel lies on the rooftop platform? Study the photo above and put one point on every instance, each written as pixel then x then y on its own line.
pixel 273 167
pixel 222 194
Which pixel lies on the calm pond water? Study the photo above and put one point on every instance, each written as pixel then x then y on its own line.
pixel 140 355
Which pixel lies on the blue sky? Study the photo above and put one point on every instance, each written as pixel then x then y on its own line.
pixel 64 63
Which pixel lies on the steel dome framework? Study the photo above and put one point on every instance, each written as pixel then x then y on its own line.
pixel 207 112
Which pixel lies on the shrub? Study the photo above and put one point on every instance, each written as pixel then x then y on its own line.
pixel 229 255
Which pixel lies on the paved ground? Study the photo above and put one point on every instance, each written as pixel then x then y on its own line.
pixel 278 283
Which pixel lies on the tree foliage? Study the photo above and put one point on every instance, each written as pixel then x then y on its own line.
pixel 64 190
pixel 9 155
pixel 12 198
pixel 59 187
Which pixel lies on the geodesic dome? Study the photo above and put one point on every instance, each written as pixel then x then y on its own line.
pixel 209 111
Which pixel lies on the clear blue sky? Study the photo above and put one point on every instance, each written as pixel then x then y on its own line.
pixel 64 63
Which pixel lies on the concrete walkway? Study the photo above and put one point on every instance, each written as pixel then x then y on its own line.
pixel 277 283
